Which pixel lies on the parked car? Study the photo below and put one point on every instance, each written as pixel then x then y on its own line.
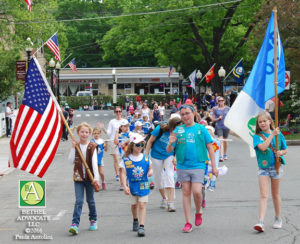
pixel 84 94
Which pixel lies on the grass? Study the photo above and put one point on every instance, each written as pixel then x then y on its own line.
pixel 292 136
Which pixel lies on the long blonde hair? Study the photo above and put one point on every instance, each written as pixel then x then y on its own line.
pixel 268 116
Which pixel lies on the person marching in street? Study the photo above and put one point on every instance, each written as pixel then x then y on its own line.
pixel 162 161
pixel 191 142
pixel 222 131
pixel 8 118
pixel 122 141
pixel 162 111
pixel 102 146
pixel 137 167
pixel 264 144
pixel 81 179
pixel 112 129
pixel 155 113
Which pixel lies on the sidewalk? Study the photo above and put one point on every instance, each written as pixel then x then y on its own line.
pixel 4 152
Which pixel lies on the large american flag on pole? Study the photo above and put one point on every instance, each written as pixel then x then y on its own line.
pixel 38 126
pixel 52 43
pixel 72 65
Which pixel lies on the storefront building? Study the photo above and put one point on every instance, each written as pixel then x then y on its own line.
pixel 130 80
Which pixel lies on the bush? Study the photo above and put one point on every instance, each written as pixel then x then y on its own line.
pixel 157 98
pixel 75 102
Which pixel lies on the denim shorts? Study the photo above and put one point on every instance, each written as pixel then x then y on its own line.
pixel 271 172
pixel 190 175
pixel 222 132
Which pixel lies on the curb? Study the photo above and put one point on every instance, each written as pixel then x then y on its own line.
pixel 293 142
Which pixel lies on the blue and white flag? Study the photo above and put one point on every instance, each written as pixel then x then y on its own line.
pixel 192 78
pixel 258 89
pixel 238 72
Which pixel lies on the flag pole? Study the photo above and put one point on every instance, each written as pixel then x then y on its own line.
pixel 277 163
pixel 97 188
pixel 207 73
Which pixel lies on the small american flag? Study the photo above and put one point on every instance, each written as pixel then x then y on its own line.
pixel 72 65
pixel 38 126
pixel 52 43
pixel 172 69
pixel 28 4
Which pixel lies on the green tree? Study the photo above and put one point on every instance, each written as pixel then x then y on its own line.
pixel 200 34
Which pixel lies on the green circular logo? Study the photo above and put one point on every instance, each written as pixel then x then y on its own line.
pixel 32 193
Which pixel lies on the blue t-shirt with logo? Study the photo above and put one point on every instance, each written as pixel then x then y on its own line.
pixel 191 157
pixel 259 140
pixel 159 147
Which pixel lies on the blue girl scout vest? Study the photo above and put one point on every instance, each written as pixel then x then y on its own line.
pixel 146 127
pixel 122 138
pixel 137 176
pixel 100 151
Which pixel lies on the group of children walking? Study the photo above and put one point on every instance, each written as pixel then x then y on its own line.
pixel 191 154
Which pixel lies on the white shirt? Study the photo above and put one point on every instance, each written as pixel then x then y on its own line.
pixel 133 158
pixel 161 110
pixel 94 160
pixel 270 106
pixel 8 112
pixel 145 112
pixel 113 127
pixel 99 141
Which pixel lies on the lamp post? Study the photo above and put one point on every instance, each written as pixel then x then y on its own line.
pixel 28 51
pixel 52 65
pixel 114 76
pixel 198 77
pixel 58 66
pixel 222 73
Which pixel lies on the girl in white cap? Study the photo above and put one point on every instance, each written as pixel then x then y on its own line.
pixel 137 167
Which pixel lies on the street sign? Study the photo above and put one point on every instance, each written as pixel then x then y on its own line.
pixel 287 80
pixel 21 70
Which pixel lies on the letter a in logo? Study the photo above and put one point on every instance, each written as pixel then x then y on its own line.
pixel 32 194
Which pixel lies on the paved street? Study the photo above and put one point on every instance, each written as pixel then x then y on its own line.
pixel 229 216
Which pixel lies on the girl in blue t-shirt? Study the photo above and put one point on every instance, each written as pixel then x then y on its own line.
pixel 263 142
pixel 191 142
pixel 101 148
pixel 137 167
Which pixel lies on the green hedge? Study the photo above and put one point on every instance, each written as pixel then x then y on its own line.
pixel 75 102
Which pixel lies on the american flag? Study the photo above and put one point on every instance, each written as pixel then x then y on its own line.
pixel 52 43
pixel 28 4
pixel 72 65
pixel 172 69
pixel 38 126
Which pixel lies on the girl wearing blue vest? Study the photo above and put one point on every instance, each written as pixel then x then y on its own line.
pixel 191 142
pixel 264 143
pixel 137 167
pixel 101 148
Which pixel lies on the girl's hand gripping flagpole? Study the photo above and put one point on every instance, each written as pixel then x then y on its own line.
pixel 96 186
pixel 277 162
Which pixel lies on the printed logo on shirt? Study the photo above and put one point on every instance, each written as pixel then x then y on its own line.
pixel 190 138
pixel 181 130
pixel 32 193
pixel 138 172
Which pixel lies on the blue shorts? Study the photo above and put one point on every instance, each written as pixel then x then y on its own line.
pixel 271 172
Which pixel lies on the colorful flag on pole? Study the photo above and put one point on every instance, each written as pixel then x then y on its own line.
pixel 192 78
pixel 52 43
pixel 238 72
pixel 28 2
pixel 210 74
pixel 172 69
pixel 258 89
pixel 72 65
pixel 38 126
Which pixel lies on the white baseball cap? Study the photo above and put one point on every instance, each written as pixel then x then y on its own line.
pixel 124 122
pixel 208 127
pixel 138 123
pixel 175 115
pixel 136 138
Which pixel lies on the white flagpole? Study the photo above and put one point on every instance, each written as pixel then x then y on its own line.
pixel 207 73
pixel 233 69
pixel 43 44
pixel 66 59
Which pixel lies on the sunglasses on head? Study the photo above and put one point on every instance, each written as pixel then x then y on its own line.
pixel 139 144
pixel 221 100
pixel 118 111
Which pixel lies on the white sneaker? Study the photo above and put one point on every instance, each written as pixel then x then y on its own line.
pixel 259 227
pixel 277 223
pixel 171 207
pixel 164 203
